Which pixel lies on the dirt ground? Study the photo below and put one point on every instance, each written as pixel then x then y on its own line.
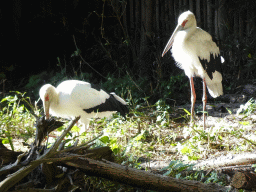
pixel 221 113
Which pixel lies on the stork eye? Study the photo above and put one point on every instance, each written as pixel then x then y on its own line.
pixel 184 23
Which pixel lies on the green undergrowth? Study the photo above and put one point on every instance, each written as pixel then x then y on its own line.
pixel 16 119
pixel 150 133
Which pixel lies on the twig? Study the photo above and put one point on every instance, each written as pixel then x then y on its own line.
pixel 85 145
pixel 24 171
pixel 19 158
pixel 248 140
pixel 55 146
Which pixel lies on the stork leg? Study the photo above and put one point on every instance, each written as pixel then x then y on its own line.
pixel 193 98
pixel 204 99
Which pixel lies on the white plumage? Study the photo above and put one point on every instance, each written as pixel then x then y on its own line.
pixel 196 53
pixel 74 98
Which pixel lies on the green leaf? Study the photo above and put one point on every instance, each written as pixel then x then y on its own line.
pixel 75 128
pixel 229 111
pixel 187 111
pixel 104 139
pixel 186 150
pixel 115 148
pixel 5 141
pixel 244 122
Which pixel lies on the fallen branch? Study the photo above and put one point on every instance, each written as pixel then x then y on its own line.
pixel 140 178
pixel 243 159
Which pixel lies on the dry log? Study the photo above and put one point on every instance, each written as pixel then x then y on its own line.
pixel 233 169
pixel 244 181
pixel 139 178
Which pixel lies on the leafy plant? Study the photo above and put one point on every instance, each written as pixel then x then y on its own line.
pixel 214 178
pixel 176 167
pixel 16 118
pixel 248 108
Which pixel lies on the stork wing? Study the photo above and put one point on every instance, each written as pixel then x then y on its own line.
pixel 207 51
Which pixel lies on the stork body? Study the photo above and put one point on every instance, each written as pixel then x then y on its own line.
pixel 74 98
pixel 196 53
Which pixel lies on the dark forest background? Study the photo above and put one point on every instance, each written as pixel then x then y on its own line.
pixel 118 39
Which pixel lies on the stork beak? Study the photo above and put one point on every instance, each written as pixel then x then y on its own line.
pixel 170 42
pixel 46 109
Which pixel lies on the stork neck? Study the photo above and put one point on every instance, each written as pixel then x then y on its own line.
pixel 191 29
pixel 54 95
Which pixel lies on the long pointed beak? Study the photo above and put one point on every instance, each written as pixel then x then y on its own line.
pixel 46 109
pixel 170 42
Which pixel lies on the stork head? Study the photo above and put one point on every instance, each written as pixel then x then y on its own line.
pixel 186 21
pixel 47 94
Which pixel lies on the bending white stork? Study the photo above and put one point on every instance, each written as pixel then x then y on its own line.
pixel 74 98
pixel 196 53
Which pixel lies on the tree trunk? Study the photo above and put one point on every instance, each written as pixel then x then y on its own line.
pixel 204 5
pixel 209 16
pixel 146 38
pixel 198 13
pixel 216 13
pixel 176 9
pixel 222 19
pixel 167 13
pixel 185 5
pixel 180 7
pixel 131 15
pixel 170 13
pixel 158 22
pixel 124 11
pixel 191 5
pixel 137 27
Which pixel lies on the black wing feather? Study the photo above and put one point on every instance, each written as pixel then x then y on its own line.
pixel 213 65
pixel 111 104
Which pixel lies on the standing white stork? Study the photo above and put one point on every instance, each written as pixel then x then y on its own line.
pixel 74 98
pixel 196 53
